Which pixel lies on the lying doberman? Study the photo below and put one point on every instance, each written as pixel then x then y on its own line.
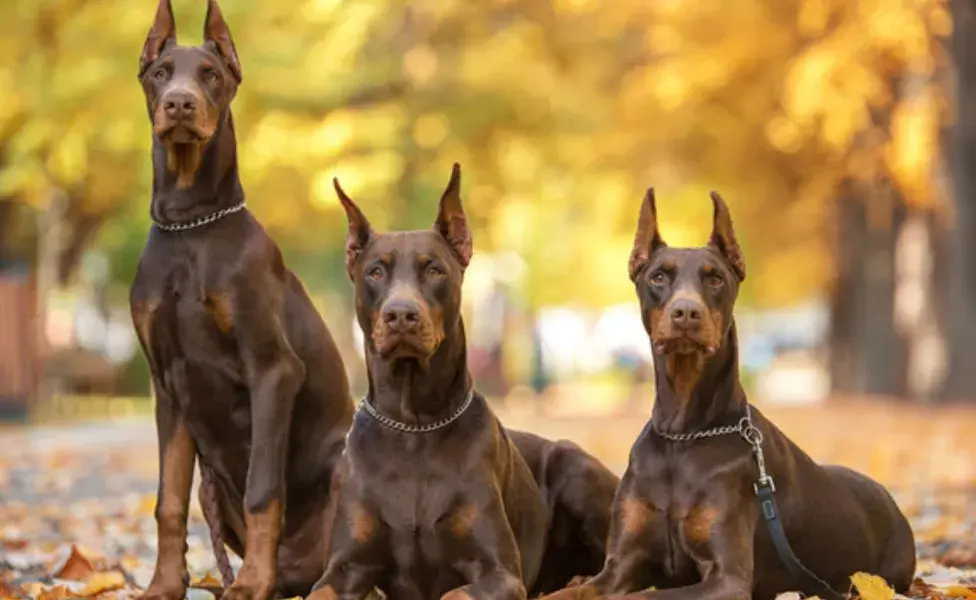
pixel 686 519
pixel 246 376
pixel 436 499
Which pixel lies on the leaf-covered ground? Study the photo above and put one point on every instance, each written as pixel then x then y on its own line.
pixel 76 507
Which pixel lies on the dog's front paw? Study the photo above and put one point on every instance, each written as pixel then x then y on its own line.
pixel 326 593
pixel 250 586
pixel 162 591
pixel 241 592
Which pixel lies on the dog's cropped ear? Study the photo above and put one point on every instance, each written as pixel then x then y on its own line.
pixel 215 30
pixel 359 229
pixel 723 237
pixel 648 238
pixel 162 32
pixel 451 222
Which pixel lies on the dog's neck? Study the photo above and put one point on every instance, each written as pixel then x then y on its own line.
pixel 180 197
pixel 419 395
pixel 696 393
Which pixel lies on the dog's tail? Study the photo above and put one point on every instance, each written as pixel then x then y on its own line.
pixel 211 512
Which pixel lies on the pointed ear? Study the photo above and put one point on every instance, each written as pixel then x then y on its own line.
pixel 451 222
pixel 215 30
pixel 359 229
pixel 648 238
pixel 723 237
pixel 163 31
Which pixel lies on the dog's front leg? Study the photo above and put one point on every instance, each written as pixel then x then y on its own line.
pixel 628 565
pixel 177 453
pixel 274 375
pixel 723 553
pixel 487 555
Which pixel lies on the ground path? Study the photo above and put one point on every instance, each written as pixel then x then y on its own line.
pixel 92 485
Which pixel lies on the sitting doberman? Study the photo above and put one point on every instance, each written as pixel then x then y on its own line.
pixel 716 502
pixel 246 377
pixel 435 498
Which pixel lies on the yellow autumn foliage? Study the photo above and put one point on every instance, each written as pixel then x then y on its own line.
pixel 561 112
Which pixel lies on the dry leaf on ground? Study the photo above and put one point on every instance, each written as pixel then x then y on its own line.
pixel 76 567
pixel 959 591
pixel 872 587
pixel 103 582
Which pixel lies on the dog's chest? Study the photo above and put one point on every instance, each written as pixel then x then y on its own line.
pixel 684 501
pixel 181 314
pixel 425 503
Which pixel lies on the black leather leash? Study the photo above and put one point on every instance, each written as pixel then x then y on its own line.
pixel 765 490
pixel 766 494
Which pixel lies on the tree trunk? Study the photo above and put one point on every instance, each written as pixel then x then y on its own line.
pixel 866 354
pixel 961 379
pixel 6 218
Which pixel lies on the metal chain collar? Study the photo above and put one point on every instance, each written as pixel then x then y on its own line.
pixel 749 432
pixel 406 428
pixel 200 222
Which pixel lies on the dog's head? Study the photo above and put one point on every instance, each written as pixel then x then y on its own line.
pixel 408 284
pixel 686 294
pixel 188 88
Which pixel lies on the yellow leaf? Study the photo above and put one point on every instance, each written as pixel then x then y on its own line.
pixel 147 505
pixel 103 582
pixel 207 580
pixel 872 587
pixel 959 591
pixel 55 593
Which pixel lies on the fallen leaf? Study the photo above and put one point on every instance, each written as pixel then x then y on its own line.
pixel 58 592
pixel 103 582
pixel 13 544
pixel 76 567
pixel 872 587
pixel 147 505
pixel 208 581
pixel 961 592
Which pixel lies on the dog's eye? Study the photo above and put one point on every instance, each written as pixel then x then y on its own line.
pixel 659 278
pixel 211 75
pixel 434 271
pixel 715 281
pixel 160 74
pixel 375 273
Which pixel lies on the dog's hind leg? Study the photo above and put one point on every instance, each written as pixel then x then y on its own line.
pixel 898 565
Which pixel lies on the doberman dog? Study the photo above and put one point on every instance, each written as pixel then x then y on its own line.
pixel 246 377
pixel 685 517
pixel 435 498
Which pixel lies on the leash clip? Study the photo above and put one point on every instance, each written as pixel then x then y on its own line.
pixel 762 486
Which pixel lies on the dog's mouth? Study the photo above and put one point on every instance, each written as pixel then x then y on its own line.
pixel 685 345
pixel 182 133
pixel 393 346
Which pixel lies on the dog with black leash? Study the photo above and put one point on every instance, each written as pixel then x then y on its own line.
pixel 716 502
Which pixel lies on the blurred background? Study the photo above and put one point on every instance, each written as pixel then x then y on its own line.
pixel 841 132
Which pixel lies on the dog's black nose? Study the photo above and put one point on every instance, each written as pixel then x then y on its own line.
pixel 179 104
pixel 401 315
pixel 686 313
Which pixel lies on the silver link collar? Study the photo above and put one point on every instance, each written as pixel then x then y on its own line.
pixel 749 432
pixel 406 428
pixel 200 222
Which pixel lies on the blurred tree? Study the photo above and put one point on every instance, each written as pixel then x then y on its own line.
pixel 961 382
